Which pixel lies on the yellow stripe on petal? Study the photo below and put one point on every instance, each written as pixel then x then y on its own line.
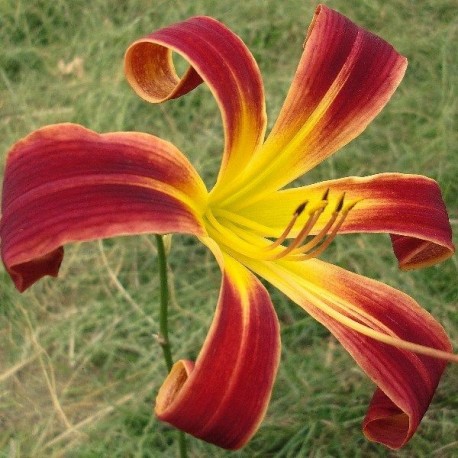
pixel 345 77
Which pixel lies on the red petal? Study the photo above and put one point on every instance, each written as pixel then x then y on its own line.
pixel 65 183
pixel 406 380
pixel 223 398
pixel 345 77
pixel 409 207
pixel 218 57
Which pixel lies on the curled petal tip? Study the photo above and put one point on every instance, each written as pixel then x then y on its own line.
pixel 65 183
pixel 219 58
pixel 172 386
pixel 223 397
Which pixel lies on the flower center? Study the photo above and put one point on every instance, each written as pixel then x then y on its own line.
pixel 309 237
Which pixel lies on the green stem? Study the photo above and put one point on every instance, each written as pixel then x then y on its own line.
pixel 164 303
pixel 164 325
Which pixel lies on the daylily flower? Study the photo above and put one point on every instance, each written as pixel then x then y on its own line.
pixel 65 183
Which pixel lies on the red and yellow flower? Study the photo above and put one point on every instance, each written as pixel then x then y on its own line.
pixel 65 183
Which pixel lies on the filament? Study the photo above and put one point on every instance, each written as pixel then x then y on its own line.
pixel 300 249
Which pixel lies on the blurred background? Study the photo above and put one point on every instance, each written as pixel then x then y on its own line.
pixel 79 363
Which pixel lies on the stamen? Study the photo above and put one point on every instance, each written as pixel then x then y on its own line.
pixel 320 241
pixel 303 234
pixel 301 253
pixel 314 214
pixel 324 231
pixel 290 225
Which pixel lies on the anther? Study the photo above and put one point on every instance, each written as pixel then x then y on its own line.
pixel 314 214
pixel 290 225
pixel 301 208
pixel 304 253
pixel 339 205
pixel 318 238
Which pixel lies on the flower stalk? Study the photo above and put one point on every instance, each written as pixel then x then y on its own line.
pixel 163 339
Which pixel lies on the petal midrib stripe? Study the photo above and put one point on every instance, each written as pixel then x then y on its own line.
pixel 87 181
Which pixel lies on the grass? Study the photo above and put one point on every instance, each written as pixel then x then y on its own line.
pixel 79 363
